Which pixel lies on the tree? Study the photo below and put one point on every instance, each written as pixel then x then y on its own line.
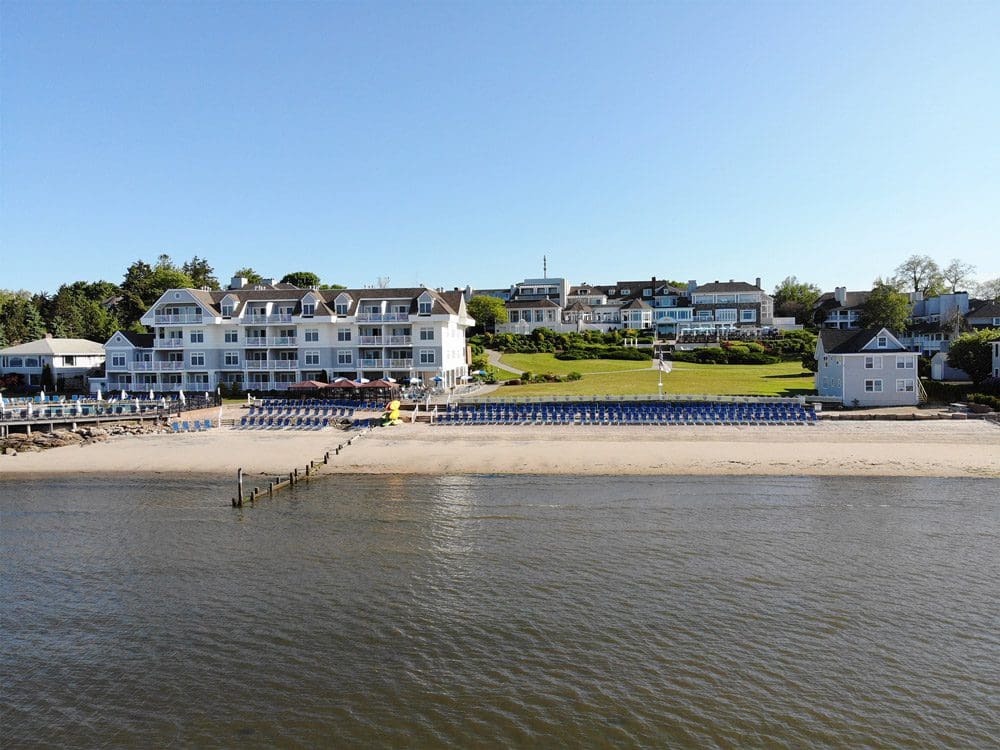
pixel 249 274
pixel 487 312
pixel 989 290
pixel 885 308
pixel 19 319
pixel 793 298
pixel 201 273
pixel 143 285
pixel 972 352
pixel 921 273
pixel 301 279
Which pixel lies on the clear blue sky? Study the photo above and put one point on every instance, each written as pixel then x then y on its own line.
pixel 450 143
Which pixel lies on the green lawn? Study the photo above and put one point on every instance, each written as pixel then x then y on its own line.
pixel 783 379
pixel 541 364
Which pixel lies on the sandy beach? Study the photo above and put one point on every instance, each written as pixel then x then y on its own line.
pixel 939 448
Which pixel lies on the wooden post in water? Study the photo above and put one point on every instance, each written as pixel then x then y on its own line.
pixel 239 487
pixel 307 470
pixel 291 479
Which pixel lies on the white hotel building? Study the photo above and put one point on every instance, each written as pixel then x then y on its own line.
pixel 267 337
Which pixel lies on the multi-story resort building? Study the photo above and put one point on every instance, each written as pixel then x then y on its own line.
pixel 267 337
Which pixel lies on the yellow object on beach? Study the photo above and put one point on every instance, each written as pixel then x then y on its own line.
pixel 391 415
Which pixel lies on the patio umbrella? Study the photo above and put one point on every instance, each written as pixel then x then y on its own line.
pixel 183 400
pixel 124 395
pixel 362 381
pixel 390 380
pixel 415 381
pixel 307 385
pixel 150 394
pixel 29 409
pixel 99 395
pixel 437 379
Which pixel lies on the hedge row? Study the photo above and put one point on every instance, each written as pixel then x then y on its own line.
pixel 734 355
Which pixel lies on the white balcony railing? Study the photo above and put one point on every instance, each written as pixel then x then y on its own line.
pixel 284 364
pixel 399 340
pixel 171 366
pixel 400 364
pixel 255 318
pixel 371 340
pixel 257 364
pixel 169 343
pixel 163 320
pixel 382 317
pixel 370 362
pixel 255 341
pixel 283 341
pixel 142 366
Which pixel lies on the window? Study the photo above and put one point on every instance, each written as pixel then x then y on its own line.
pixel 345 358
pixel 904 386
pixel 626 292
pixel 873 363
pixel 341 308
pixel 538 316
pixel 882 342
pixel 312 334
pixel 427 356
pixel 69 360
pixel 308 308
pixel 197 359
pixel 232 336
pixel 426 334
pixel 117 360
pixel 198 378
pixel 424 307
pixel 748 316
pixel 312 358
pixel 197 337
pixel 904 363
pixel 647 292
pixel 227 311
pixel 725 316
pixel 343 334
pixel 232 359
pixel 873 386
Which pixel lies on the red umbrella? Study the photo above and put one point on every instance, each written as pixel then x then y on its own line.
pixel 341 384
pixel 307 385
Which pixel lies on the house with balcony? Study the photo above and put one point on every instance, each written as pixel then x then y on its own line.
pixel 935 321
pixel 265 338
pixel 984 315
pixel 840 309
pixel 728 305
pixel 69 360
pixel 869 367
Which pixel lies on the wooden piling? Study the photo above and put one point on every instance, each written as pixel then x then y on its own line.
pixel 239 487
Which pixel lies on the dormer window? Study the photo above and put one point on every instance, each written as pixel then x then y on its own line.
pixel 308 308
pixel 882 342
pixel 341 308
pixel 424 307
pixel 227 311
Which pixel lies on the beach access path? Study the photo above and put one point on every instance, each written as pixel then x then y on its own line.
pixel 942 448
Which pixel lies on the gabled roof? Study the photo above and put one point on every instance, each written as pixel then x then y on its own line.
pixel 986 310
pixel 579 306
pixel 717 287
pixel 636 304
pixel 854 342
pixel 56 346
pixel 828 301
pixel 138 340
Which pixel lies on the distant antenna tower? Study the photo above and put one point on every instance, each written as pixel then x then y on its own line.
pixel 545 267
pixel 383 282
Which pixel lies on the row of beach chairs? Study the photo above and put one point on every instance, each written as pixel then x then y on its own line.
pixel 283 423
pixel 198 425
pixel 301 411
pixel 629 414
pixel 285 403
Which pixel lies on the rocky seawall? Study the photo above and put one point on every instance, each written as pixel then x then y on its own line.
pixel 38 441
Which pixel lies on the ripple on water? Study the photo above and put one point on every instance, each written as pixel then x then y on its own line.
pixel 517 611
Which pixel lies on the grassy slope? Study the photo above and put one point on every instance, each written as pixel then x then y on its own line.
pixel 541 364
pixel 783 379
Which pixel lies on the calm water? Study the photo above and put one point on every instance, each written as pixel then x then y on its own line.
pixel 499 611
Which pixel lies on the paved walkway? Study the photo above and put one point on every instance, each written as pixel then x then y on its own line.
pixel 494 359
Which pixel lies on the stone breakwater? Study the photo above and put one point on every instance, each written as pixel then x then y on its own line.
pixel 38 441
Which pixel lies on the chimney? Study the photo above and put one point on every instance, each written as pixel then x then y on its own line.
pixel 758 282
pixel 840 294
pixel 237 282
pixel 692 285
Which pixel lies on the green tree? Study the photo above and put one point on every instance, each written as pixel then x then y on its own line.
pixel 795 299
pixel 301 279
pixel 972 352
pixel 487 312
pixel 919 273
pixel 886 308
pixel 144 284
pixel 20 320
pixel 201 273
pixel 249 274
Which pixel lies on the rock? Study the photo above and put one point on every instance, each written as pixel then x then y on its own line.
pixel 9 451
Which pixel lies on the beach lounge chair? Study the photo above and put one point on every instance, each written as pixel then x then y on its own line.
pixel 185 427
pixel 176 426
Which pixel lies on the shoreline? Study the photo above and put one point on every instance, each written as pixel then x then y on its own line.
pixel 931 448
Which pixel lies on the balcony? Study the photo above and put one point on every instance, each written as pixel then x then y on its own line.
pixel 163 320
pixel 142 366
pixel 371 340
pixel 399 340
pixel 283 364
pixel 371 363
pixel 262 319
pixel 399 364
pixel 256 364
pixel 169 343
pixel 382 317
pixel 283 341
pixel 169 366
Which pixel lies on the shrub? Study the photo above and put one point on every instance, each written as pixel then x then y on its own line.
pixel 574 375
pixel 981 398
pixel 946 393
